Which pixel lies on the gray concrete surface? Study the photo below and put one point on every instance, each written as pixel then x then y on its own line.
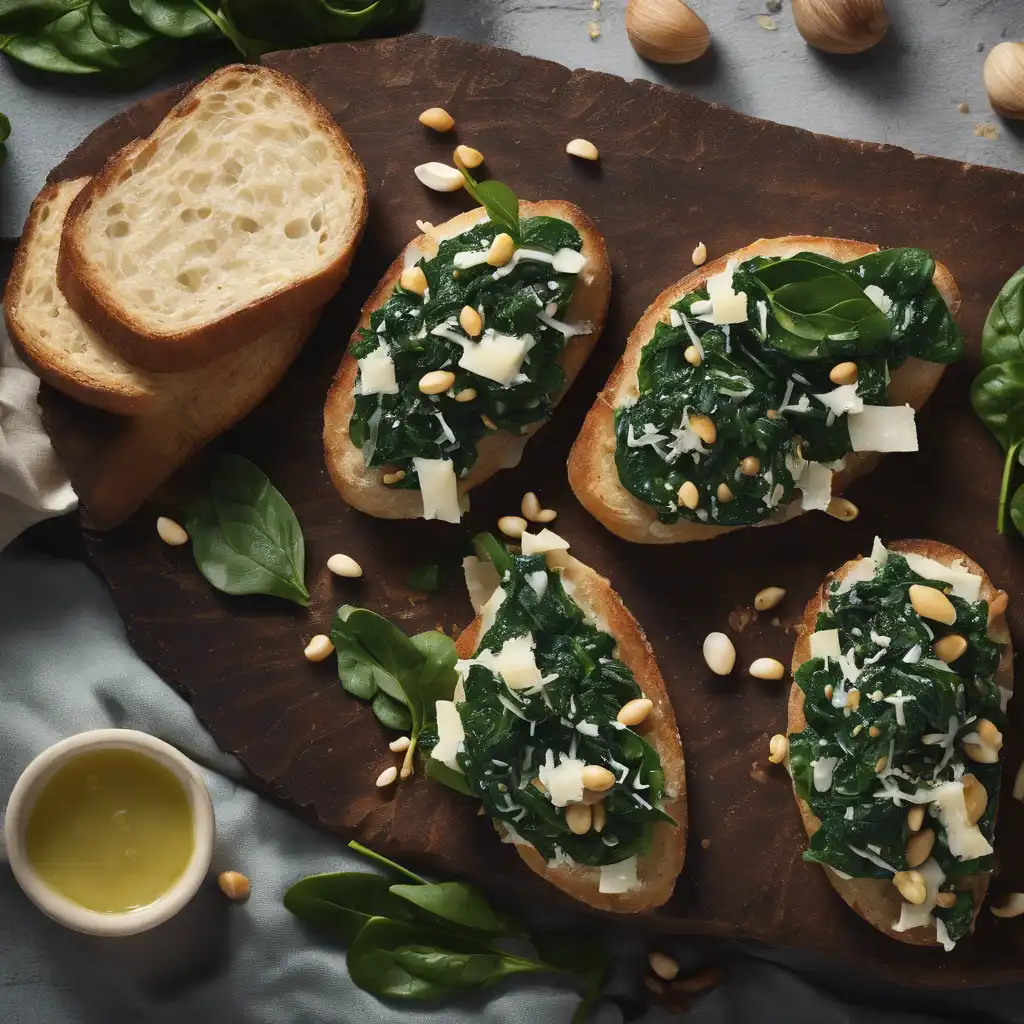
pixel 905 91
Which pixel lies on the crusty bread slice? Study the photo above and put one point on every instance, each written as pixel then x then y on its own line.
pixel 243 208
pixel 51 336
pixel 658 870
pixel 592 472
pixel 876 899
pixel 361 487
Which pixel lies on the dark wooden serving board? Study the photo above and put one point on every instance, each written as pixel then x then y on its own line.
pixel 673 171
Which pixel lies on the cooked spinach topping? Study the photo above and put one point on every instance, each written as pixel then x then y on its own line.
pixel 510 734
pixel 392 429
pixel 757 380
pixel 905 735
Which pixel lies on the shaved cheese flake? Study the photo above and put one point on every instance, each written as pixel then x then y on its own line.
pixel 883 428
pixel 481 581
pixel 450 733
pixel 965 584
pixel 564 783
pixel 621 877
pixel 516 664
pixel 920 916
pixel 543 542
pixel 815 485
pixel 377 372
pixel 472 258
pixel 823 769
pixel 498 357
pixel 874 858
pixel 489 609
pixel 825 644
pixel 878 297
pixel 439 488
pixel 568 261
pixel 566 330
pixel 842 400
pixel 727 305
pixel 538 582
pixel 964 839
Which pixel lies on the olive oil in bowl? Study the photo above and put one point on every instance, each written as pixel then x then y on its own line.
pixel 111 830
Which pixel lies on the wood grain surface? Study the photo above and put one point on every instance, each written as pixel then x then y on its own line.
pixel 673 171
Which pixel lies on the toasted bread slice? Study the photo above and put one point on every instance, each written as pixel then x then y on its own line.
pixel 242 209
pixel 658 870
pixel 592 472
pixel 51 336
pixel 361 487
pixel 876 899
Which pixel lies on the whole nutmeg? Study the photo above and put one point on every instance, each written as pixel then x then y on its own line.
pixel 666 31
pixel 1004 79
pixel 841 26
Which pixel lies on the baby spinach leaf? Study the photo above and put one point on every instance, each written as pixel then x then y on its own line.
pixel 383 651
pixel 437 676
pixel 345 900
pixel 41 52
pixel 31 16
pixel 500 202
pixel 1017 509
pixel 179 19
pixel 384 862
pixel 392 714
pixel 245 537
pixel 1002 338
pixel 458 903
pixel 440 772
pixel 900 273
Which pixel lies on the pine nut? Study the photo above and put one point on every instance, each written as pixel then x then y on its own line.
pixel 597 778
pixel 691 355
pixel 663 966
pixel 880 765
pixel 724 493
pixel 975 798
pixel 436 381
pixel 234 885
pixel 874 732
pixel 843 373
pixel 471 321
pixel 467 156
pixel 599 817
pixel 828 691
pixel 488 422
pixel 319 648
pixel 933 604
pixel 501 250
pixel 911 886
pixel 582 148
pixel 951 647
pixel 547 515
pixel 767 668
pixel 387 777
pixel 772 414
pixel 919 847
pixel 171 532
pixel 704 427
pixel 750 466
pixel 843 510
pixel 853 699
pixel 343 565
pixel 633 712
pixel 915 818
pixel 700 254
pixel 719 653
pixel 530 506
pixel 989 734
pixel 414 280
pixel 579 818
pixel 437 118
pixel 439 177
pixel 393 478
pixel 768 598
pixel 466 395
pixel 512 526
pixel 688 494
pixel 1013 907
pixel 399 746
pixel 945 899
pixel 778 747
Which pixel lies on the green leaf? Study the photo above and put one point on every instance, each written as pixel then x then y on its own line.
pixel 31 16
pixel 179 19
pixel 440 772
pixel 1009 465
pixel 42 53
pixel 245 537
pixel 1017 509
pixel 304 22
pixel 900 273
pixel 389 865
pixel 498 200
pixel 114 22
pixel 457 902
pixel 398 661
pixel 345 900
pixel 997 395
pixel 392 714
pixel 1002 338
pixel 488 548
pixel 437 677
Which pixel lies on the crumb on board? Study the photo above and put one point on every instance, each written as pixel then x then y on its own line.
pixel 758 773
pixel 963 108
pixel 705 844
pixel 986 130
pixel 594 30
pixel 741 617
pixel 775 622
pixel 767 23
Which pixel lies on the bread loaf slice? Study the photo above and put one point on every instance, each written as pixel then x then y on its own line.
pixel 244 207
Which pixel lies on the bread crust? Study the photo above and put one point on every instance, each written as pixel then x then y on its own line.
pixel 592 472
pixel 658 870
pixel 876 899
pixel 169 351
pixel 360 486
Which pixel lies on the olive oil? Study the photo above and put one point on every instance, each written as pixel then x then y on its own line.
pixel 111 831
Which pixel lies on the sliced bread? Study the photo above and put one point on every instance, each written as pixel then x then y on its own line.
pixel 243 207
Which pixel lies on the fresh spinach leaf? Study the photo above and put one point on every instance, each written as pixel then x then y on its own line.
pixel 997 395
pixel 500 202
pixel 392 714
pixel 304 22
pixel 458 903
pixel 438 771
pixel 344 901
pixel 179 19
pixel 900 273
pixel 392 656
pixel 1017 509
pixel 1002 338
pixel 245 537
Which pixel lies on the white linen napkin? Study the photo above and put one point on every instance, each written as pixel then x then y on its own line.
pixel 33 485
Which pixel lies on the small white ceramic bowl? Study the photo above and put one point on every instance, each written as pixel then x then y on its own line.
pixel 69 913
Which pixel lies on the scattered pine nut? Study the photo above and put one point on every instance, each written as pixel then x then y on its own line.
pixel 767 668
pixel 597 778
pixel 768 598
pixel 700 254
pixel 1013 907
pixel 343 565
pixel 171 532
pixel 319 648
pixel 915 818
pixel 950 647
pixel 989 733
pixel 692 356
pixel 663 965
pixel 547 515
pixel 436 382
pixel 843 510
pixel 437 118
pixel 234 885
pixel 633 712
pixel 579 818
pixel 945 899
pixel 719 653
pixel 512 526
pixel 530 506
pixel 724 493
pixel 599 815
pixel 414 280
pixel 466 395
pixel 704 427
pixel 471 321
pixel 933 604
pixel 843 373
pixel 387 777
pixel 750 466
pixel 853 699
pixel 399 746
pixel 583 149
pixel 880 765
pixel 778 747
pixel 911 886
pixel 688 494
pixel 439 177
pixel 468 157
pixel 488 422
pixel 919 847
pixel 393 478
pixel 501 250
